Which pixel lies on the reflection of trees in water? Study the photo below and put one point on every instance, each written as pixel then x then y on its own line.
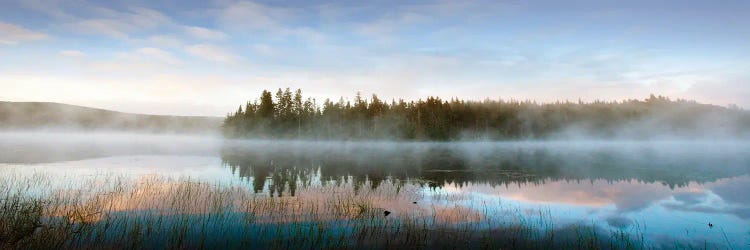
pixel 286 166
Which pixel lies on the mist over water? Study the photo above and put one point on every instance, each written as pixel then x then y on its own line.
pixel 437 124
pixel 669 190
pixel 64 118
pixel 39 147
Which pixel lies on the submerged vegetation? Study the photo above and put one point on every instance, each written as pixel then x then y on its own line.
pixel 289 115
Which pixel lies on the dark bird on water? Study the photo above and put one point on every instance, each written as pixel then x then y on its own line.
pixel 710 225
pixel 386 213
pixel 414 202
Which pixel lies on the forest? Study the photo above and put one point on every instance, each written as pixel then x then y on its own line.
pixel 288 115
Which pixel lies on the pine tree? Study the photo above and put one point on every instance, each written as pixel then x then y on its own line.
pixel 435 119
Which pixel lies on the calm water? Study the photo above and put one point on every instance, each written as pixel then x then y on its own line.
pixel 668 190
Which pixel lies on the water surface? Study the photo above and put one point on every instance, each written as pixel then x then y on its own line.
pixel 666 191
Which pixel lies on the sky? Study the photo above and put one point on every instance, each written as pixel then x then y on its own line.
pixel 208 57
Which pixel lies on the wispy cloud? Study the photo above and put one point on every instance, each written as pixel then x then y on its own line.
pixel 158 54
pixel 165 41
pixel 204 33
pixel 251 15
pixel 211 53
pixel 275 21
pixel 264 50
pixel 120 24
pixel 509 49
pixel 389 24
pixel 14 34
pixel 99 18
pixel 51 8
pixel 72 53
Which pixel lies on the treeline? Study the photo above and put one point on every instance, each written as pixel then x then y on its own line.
pixel 288 114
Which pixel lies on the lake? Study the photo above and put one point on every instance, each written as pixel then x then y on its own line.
pixel 83 190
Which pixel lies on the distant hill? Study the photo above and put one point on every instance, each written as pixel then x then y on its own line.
pixel 47 115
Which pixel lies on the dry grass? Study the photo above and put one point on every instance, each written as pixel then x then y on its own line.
pixel 155 212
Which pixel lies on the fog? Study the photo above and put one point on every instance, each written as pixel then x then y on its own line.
pixel 704 123
pixel 53 146
pixel 656 118
pixel 56 117
pixel 616 184
pixel 433 119
pixel 279 166
pixel 670 161
pixel 675 161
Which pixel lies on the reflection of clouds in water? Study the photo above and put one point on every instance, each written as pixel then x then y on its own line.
pixel 634 196
pixel 733 190
pixel 690 197
pixel 743 212
pixel 666 241
pixel 617 221
pixel 723 196
pixel 668 212
pixel 625 195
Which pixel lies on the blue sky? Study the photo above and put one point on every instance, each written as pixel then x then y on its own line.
pixel 207 57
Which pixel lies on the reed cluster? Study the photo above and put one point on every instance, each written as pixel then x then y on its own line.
pixel 157 212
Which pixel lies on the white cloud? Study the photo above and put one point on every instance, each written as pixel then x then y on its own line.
pixel 204 33
pixel 452 51
pixel 172 94
pixel 264 50
pixel 211 53
pixel 13 34
pixel 108 27
pixel 277 21
pixel 165 41
pixel 87 17
pixel 389 24
pixel 135 62
pixel 253 16
pixel 121 24
pixel 158 54
pixel 52 8
pixel 72 53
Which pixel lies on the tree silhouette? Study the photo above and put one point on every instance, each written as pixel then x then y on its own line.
pixel 290 115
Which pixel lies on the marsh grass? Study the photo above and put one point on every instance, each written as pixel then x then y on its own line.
pixel 156 212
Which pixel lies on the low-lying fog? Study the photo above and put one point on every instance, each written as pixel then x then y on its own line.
pixel 36 147
pixel 50 146
pixel 615 184
pixel 670 161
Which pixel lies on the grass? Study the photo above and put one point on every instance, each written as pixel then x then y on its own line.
pixel 156 212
